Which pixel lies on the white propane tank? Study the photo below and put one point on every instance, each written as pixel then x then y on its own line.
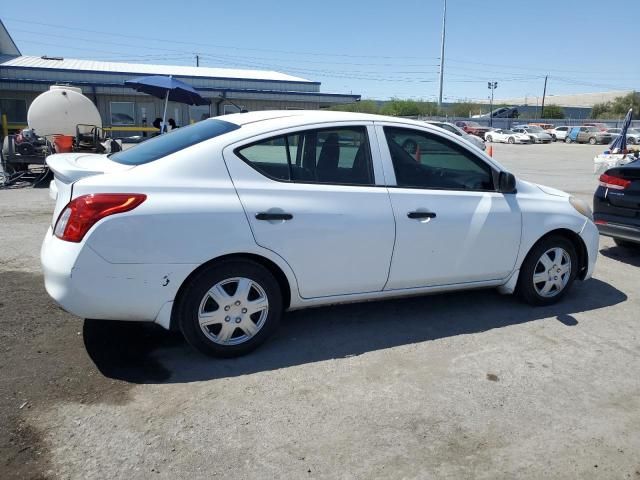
pixel 60 109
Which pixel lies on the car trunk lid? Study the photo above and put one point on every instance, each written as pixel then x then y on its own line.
pixel 68 168
pixel 628 197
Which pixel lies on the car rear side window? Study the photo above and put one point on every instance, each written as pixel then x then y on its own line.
pixel 425 160
pixel 176 140
pixel 334 155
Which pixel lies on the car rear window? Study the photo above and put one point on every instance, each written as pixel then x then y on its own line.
pixel 176 140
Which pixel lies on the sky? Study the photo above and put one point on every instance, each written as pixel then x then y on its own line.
pixel 378 49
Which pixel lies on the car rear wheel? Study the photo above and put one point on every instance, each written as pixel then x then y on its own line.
pixel 593 141
pixel 626 244
pixel 548 271
pixel 489 139
pixel 230 308
pixel 511 140
pixel 631 140
pixel 554 138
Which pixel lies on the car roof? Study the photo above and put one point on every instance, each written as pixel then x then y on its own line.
pixel 301 117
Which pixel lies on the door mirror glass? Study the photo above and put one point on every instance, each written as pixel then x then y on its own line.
pixel 507 183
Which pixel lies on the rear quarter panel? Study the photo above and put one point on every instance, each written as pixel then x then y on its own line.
pixel 192 213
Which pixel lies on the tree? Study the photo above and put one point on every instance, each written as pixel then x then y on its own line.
pixel 363 106
pixel 409 108
pixel 618 107
pixel 553 111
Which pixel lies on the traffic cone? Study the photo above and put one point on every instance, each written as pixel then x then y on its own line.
pixel 490 150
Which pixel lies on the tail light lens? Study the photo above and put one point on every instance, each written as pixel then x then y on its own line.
pixel 83 212
pixel 614 183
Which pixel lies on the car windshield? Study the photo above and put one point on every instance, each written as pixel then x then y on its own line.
pixel 592 129
pixel 535 129
pixel 633 131
pixel 472 124
pixel 508 131
pixel 176 140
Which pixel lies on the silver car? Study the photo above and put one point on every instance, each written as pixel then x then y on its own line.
pixel 633 135
pixel 472 139
pixel 537 134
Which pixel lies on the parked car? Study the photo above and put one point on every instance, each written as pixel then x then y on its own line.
pixel 506 136
pixel 218 227
pixel 502 112
pixel 616 205
pixel 536 134
pixel 600 126
pixel 473 139
pixel 473 128
pixel 590 135
pixel 633 135
pixel 545 126
pixel 559 133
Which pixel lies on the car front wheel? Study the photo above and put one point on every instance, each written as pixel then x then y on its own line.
pixel 230 308
pixel 511 140
pixel 567 139
pixel 548 271
pixel 593 141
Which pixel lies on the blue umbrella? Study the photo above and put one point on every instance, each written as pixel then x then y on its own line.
pixel 168 88
pixel 619 145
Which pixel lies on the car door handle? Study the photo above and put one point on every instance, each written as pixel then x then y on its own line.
pixel 421 215
pixel 273 216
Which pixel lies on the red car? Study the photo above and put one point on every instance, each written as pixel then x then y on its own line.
pixel 473 128
pixel 600 126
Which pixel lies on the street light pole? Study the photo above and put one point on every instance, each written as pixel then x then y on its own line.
pixel 444 31
pixel 492 86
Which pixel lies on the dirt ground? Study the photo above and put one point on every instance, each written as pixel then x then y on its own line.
pixel 464 385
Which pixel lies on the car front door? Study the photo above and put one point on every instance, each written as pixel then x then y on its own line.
pixel 452 226
pixel 311 197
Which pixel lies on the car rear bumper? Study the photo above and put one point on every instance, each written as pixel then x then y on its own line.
pixel 616 230
pixel 86 285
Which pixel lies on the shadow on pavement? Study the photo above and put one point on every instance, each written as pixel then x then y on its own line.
pixel 630 256
pixel 145 353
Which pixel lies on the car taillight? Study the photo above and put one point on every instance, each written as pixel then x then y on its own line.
pixel 83 212
pixel 614 183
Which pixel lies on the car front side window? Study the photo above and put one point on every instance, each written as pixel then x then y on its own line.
pixel 426 160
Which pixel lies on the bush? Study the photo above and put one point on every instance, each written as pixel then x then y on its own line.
pixel 618 107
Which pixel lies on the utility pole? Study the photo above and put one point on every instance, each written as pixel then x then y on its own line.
pixel 544 94
pixel 197 60
pixel 444 30
pixel 491 86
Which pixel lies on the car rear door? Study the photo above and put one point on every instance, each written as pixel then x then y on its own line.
pixel 452 226
pixel 315 197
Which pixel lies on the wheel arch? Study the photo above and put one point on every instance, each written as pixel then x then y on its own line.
pixel 275 269
pixel 577 242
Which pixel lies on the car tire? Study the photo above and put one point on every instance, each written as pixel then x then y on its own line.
pixel 626 244
pixel 593 141
pixel 489 139
pixel 554 138
pixel 511 140
pixel 567 139
pixel 631 141
pixel 232 329
pixel 548 271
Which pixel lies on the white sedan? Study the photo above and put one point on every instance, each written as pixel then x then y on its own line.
pixel 506 136
pixel 217 228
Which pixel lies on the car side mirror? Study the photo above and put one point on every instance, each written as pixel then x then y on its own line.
pixel 506 182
